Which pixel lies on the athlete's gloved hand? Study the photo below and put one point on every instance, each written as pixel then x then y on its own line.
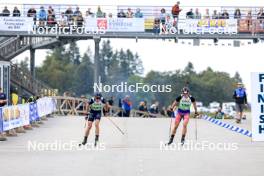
pixel 196 114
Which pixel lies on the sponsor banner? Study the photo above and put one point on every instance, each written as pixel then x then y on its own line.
pixel 45 106
pixel 210 25
pixel 251 25
pixel 33 112
pixel 115 24
pixel 1 121
pixel 24 113
pixel 257 106
pixel 11 117
pixel 16 23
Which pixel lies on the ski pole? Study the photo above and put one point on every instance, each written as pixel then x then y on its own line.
pixel 116 125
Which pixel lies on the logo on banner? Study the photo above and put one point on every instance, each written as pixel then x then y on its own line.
pixel 102 23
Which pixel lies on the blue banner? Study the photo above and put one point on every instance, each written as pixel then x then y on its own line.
pixel 1 121
pixel 33 112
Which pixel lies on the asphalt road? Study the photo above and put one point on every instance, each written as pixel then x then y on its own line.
pixel 140 152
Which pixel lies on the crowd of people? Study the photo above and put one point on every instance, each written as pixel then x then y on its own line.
pixel 76 17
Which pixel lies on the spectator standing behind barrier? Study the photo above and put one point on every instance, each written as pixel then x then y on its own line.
pixel 63 21
pixel 225 15
pixel 207 14
pixel 163 16
pixel 69 15
pixel 240 97
pixel 260 17
pixel 32 13
pixel 176 11
pixel 138 13
pixel 5 12
pixel 197 14
pixel 16 12
pixel 42 16
pixel 215 15
pixel 127 106
pixel 121 14
pixel 3 102
pixel 100 13
pixel 129 13
pixel 89 13
pixel 190 14
pixel 237 14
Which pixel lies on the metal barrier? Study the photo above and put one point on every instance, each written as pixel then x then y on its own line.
pixel 78 106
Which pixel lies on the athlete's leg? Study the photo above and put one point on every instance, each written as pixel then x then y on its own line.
pixel 175 127
pixel 97 127
pixel 89 124
pixel 184 129
pixel 97 130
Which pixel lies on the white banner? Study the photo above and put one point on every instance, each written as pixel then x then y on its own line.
pixel 45 106
pixel 115 24
pixel 214 26
pixel 257 106
pixel 16 23
pixel 24 113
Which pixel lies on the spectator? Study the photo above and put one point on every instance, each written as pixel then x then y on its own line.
pixel 89 13
pixel 138 14
pixel 190 14
pixel 249 19
pixel 156 26
pixel 16 12
pixel 63 22
pixel 225 15
pixel 3 102
pixel 168 23
pixel 237 14
pixel 163 111
pixel 51 21
pixel 79 20
pixel 127 106
pixel 197 14
pixel 121 14
pixel 129 13
pixel 69 14
pixel 111 101
pixel 99 13
pixel 163 16
pixel 77 12
pixel 5 12
pixel 32 13
pixel 207 15
pixel 110 15
pixel 154 108
pixel 51 12
pixel 176 11
pixel 42 16
pixel 260 17
pixel 142 107
pixel 215 15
